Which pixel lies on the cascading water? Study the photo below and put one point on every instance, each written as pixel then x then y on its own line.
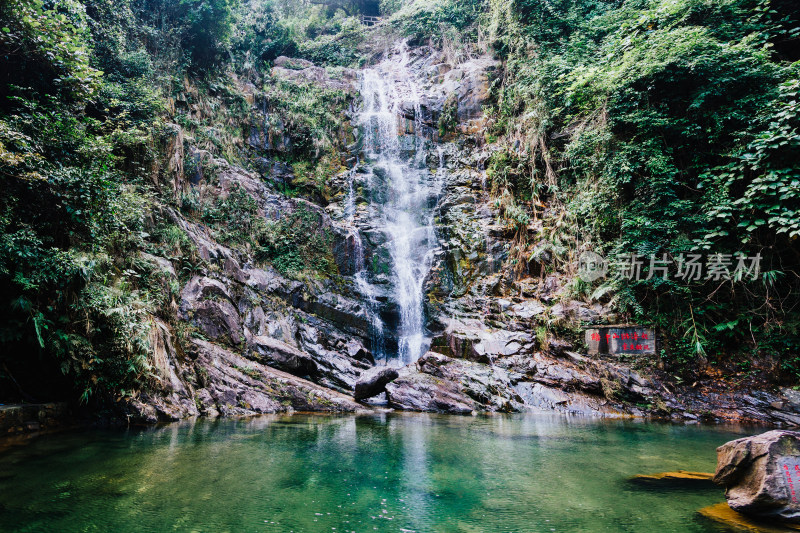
pixel 402 193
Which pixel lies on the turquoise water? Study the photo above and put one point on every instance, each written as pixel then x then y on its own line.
pixel 385 473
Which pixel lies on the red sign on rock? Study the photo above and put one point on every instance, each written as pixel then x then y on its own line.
pixel 621 339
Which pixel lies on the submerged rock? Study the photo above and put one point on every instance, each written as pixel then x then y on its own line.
pixel 374 381
pixel 677 477
pixel 761 475
pixel 723 514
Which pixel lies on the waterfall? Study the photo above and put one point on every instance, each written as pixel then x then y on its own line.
pixel 402 193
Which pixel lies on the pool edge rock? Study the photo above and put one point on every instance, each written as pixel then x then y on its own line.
pixel 761 475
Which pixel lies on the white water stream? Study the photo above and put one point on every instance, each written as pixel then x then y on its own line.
pixel 403 193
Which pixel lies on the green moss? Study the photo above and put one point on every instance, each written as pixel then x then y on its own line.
pixel 297 246
pixel 249 372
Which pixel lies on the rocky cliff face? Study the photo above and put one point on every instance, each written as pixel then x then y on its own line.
pixel 267 343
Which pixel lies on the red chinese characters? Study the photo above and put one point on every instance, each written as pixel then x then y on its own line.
pixel 637 347
pixel 790 481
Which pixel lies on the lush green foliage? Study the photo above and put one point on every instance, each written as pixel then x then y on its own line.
pixel 314 121
pixel 661 127
pixel 262 36
pixel 68 217
pixel 45 47
pixel 92 159
pixel 298 246
pixel 425 20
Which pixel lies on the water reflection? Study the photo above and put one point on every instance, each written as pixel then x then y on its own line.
pixel 386 472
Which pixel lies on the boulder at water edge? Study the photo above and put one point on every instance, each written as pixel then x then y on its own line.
pixel 373 382
pixel 761 475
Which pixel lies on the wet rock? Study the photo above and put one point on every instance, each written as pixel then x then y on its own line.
pixel 374 381
pixel 356 350
pixel 17 418
pixel 228 384
pixel 268 280
pixel 792 400
pixel 558 347
pixel 761 404
pixel 142 411
pixel 255 321
pixel 528 309
pixel 537 396
pixel 326 345
pixel 459 344
pixel 330 349
pixel 442 384
pixel 347 314
pixel 422 392
pixel 761 475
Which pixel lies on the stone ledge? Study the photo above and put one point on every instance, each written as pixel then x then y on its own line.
pixel 26 418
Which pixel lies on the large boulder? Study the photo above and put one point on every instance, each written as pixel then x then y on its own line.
pixel 374 381
pixel 438 383
pixel 423 392
pixel 761 475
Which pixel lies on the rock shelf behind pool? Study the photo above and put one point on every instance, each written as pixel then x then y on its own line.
pixel 761 475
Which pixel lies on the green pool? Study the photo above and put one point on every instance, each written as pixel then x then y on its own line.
pixel 385 473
